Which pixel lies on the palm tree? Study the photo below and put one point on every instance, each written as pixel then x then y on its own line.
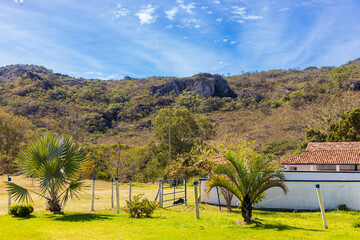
pixel 55 162
pixel 247 179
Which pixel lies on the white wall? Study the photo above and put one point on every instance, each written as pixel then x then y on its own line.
pixel 302 194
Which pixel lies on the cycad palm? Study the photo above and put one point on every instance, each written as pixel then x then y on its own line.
pixel 55 162
pixel 247 179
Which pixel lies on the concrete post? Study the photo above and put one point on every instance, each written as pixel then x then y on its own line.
pixel 117 196
pixel 321 205
pixel 196 200
pixel 93 195
pixel 9 197
pixel 130 189
pixel 112 192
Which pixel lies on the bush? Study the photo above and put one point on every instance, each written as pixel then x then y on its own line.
pixel 102 176
pixel 343 207
pixel 140 207
pixel 356 224
pixel 21 210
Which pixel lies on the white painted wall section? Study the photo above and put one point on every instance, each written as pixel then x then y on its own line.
pixel 336 188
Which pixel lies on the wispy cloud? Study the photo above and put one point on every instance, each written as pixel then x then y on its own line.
pixel 283 9
pixel 186 7
pixel 120 11
pixel 19 1
pixel 146 14
pixel 240 15
pixel 170 14
pixel 216 2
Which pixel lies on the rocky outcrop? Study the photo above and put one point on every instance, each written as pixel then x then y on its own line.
pixel 203 83
pixel 355 86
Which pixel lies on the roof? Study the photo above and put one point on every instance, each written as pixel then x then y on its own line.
pixel 325 157
pixel 333 146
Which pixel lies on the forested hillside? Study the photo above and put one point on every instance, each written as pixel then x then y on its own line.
pixel 274 109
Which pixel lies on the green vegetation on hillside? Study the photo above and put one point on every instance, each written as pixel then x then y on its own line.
pixel 278 110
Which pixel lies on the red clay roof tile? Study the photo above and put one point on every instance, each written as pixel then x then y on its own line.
pixel 312 146
pixel 325 157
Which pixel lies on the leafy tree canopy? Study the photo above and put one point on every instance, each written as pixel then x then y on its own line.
pixel 186 129
pixel 347 129
pixel 14 133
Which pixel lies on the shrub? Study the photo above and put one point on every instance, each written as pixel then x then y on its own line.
pixel 342 207
pixel 21 210
pixel 140 207
pixel 356 224
pixel 102 176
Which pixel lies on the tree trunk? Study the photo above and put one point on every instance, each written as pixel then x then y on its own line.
pixel 54 206
pixel 246 209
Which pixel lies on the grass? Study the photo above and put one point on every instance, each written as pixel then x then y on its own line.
pixel 176 223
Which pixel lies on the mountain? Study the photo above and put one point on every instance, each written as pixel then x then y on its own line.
pixel 273 108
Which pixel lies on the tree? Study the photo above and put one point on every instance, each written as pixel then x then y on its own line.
pixel 185 129
pixel 247 179
pixel 55 162
pixel 14 133
pixel 347 129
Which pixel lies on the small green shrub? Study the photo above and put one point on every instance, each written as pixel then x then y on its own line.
pixel 21 210
pixel 102 176
pixel 343 207
pixel 140 207
pixel 356 224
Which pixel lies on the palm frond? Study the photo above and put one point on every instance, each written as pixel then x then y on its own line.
pixel 73 190
pixel 18 193
pixel 223 182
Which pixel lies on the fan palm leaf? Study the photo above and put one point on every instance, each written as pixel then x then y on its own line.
pixel 55 161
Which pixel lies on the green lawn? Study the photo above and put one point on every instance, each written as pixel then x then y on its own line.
pixel 176 223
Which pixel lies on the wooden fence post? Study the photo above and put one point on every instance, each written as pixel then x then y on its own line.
pixel 117 195
pixel 321 205
pixel 93 195
pixel 196 200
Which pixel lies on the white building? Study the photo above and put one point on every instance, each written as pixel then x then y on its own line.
pixel 332 165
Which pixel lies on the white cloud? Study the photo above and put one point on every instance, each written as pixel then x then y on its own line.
pixel 170 14
pixel 186 7
pixel 146 15
pixel 252 17
pixel 216 2
pixel 209 12
pixel 232 42
pixel 219 20
pixel 190 22
pixel 120 11
pixel 283 9
pixel 241 11
pixel 225 40
pixel 204 7
pixel 240 14
pixel 169 26
pixel 19 1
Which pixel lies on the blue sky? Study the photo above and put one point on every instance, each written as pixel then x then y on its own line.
pixel 109 39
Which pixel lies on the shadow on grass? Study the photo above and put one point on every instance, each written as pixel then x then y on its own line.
pixel 25 218
pixel 279 227
pixel 79 217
